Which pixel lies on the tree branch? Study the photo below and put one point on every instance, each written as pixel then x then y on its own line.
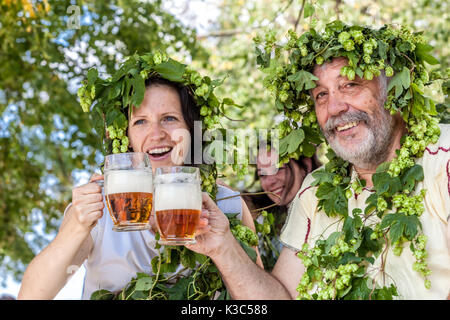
pixel 233 32
pixel 336 8
pixel 299 15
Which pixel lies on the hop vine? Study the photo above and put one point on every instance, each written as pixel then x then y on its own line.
pixel 337 267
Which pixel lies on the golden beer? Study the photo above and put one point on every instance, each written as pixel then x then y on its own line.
pixel 130 208
pixel 129 191
pixel 177 204
pixel 177 223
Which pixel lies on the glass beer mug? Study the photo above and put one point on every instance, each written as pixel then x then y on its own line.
pixel 129 190
pixel 178 204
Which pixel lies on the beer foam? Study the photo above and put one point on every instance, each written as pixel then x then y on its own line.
pixel 177 196
pixel 118 181
pixel 176 177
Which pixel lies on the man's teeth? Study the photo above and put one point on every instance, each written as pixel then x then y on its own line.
pixel 159 150
pixel 347 126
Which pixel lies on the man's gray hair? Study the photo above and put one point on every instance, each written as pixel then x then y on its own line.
pixel 383 82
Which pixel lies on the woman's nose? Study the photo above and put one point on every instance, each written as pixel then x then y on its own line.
pixel 267 181
pixel 156 131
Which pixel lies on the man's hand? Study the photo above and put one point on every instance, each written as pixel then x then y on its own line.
pixel 213 231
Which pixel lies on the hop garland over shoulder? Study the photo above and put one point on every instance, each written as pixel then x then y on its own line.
pixel 337 266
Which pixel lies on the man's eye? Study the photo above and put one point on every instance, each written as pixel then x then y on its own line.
pixel 351 84
pixel 320 95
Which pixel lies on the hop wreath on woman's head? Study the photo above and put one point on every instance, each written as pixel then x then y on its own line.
pixel 401 55
pixel 109 100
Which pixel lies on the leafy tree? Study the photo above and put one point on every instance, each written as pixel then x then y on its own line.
pixel 45 140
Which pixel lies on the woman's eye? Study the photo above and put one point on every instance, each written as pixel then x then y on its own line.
pixel 138 122
pixel 169 118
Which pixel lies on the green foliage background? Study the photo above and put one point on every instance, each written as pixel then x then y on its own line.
pixel 46 141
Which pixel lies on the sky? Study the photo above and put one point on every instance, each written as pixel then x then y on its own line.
pixel 199 14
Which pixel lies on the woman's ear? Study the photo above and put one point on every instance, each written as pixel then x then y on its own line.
pixel 307 162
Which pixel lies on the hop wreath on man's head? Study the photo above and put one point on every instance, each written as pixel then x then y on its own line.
pixel 401 55
pixel 108 100
pixel 398 53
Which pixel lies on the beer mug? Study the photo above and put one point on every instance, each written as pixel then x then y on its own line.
pixel 177 204
pixel 129 190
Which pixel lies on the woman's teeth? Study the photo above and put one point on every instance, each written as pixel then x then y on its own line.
pixel 347 126
pixel 277 191
pixel 159 151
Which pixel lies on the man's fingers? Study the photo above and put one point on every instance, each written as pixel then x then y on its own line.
pixel 205 214
pixel 202 229
pixel 208 203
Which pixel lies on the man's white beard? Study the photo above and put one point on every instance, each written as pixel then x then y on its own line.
pixel 374 148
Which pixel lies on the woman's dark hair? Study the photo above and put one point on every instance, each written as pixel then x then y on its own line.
pixel 189 109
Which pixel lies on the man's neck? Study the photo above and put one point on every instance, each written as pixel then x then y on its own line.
pixel 366 172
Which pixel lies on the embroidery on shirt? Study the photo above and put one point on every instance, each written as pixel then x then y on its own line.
pixel 303 191
pixel 308 229
pixel 439 148
pixel 448 177
pixel 448 162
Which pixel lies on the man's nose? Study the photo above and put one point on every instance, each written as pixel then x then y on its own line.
pixel 337 103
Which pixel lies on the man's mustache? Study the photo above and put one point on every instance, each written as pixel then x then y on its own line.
pixel 350 116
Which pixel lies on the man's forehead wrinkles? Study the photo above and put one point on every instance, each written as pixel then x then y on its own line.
pixel 320 84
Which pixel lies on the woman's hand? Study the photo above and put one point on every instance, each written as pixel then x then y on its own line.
pixel 87 203
pixel 213 230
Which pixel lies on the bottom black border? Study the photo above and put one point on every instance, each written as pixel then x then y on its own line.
pixel 248 309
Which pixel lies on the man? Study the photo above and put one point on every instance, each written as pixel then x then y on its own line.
pixel 351 116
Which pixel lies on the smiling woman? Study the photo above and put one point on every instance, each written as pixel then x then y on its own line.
pixel 149 105
pixel 164 123
pixel 270 206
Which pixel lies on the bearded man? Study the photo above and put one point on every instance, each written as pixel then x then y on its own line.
pixel 384 208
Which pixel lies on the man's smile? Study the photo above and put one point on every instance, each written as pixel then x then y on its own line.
pixel 347 126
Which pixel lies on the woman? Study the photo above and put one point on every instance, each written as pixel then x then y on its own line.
pixel 282 183
pixel 281 186
pixel 112 259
